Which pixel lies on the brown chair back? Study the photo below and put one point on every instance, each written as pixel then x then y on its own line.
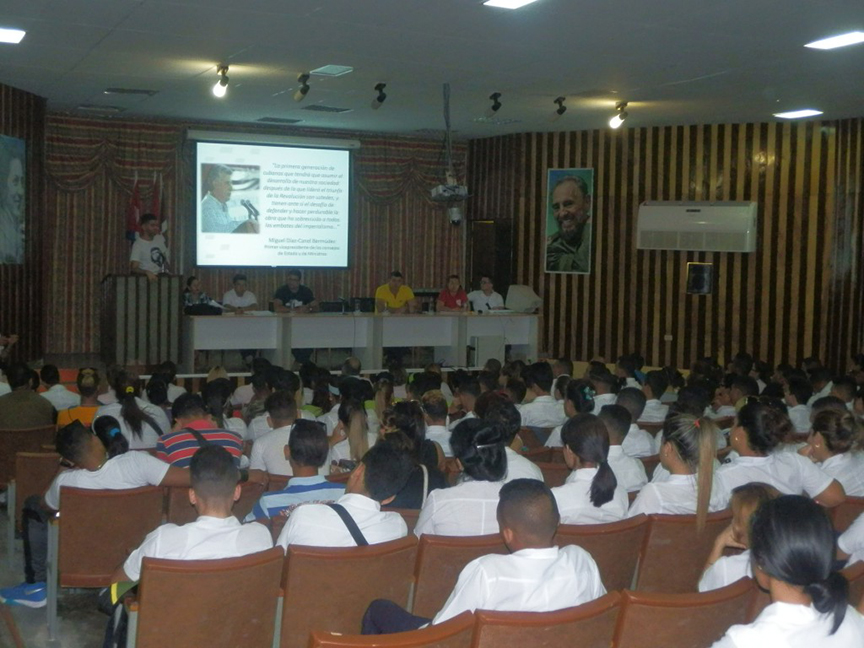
pixel 100 528
pixel 674 553
pixel 588 626
pixel 276 482
pixel 855 575
pixel 652 620
pixel 652 427
pixel 440 560
pixel 228 602
pixel 181 511
pixel 844 515
pixel 615 547
pixel 330 588
pixel 34 472
pixel 453 633
pixel 250 492
pixel 543 455
pixel 26 440
pixel 554 474
pixel 339 478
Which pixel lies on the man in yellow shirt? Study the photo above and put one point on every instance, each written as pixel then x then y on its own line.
pixel 395 296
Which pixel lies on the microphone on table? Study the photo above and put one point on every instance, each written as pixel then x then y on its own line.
pixel 488 307
pixel 253 212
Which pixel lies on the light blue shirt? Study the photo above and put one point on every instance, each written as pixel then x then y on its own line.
pixel 214 216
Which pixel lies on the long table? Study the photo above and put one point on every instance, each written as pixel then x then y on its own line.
pixel 366 334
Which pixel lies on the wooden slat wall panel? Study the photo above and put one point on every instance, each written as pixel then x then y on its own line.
pixel 801 293
pixel 22 115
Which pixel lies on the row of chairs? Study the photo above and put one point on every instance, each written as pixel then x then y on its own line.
pixel 320 600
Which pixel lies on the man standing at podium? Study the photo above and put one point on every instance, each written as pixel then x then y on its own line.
pixel 149 254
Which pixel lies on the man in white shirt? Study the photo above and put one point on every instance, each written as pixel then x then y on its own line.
pixel 850 544
pixel 629 471
pixel 216 533
pixel 798 392
pixel 637 442
pixel 149 255
pixel 541 410
pixel 486 298
pixel 268 451
pixel 625 369
pixel 434 407
pixel 656 384
pixel 466 395
pixel 562 367
pixel 238 299
pixel 845 389
pixel 55 393
pixel 244 393
pixel 820 379
pixel 536 576
pixel 605 387
pixel 382 473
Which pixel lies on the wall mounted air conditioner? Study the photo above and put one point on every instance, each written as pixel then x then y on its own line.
pixel 699 226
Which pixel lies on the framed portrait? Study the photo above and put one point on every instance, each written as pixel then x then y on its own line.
pixel 13 166
pixel 569 220
pixel 700 278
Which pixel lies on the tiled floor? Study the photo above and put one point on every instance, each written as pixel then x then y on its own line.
pixel 81 625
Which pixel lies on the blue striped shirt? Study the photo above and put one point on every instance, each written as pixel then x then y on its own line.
pixel 299 490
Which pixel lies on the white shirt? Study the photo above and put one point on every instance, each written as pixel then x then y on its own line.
pixel 440 435
pixel 786 625
pixel 851 541
pixel 726 571
pixel 231 298
pixel 519 467
pixel 654 412
pixel 629 381
pixel 242 395
pixel 788 472
pixel 574 500
pixel 149 437
pixel 530 580
pixel 822 393
pixel 554 440
pixel 603 399
pixel 330 420
pixel 207 538
pixel 61 398
pixel 629 472
pixel 800 417
pixel 317 525
pixel 4 388
pixel 676 495
pixel 467 509
pixel 129 470
pixel 268 452
pixel 725 411
pixel 468 415
pixel 848 469
pixel 543 412
pixel 638 442
pixel 237 426
pixel 480 301
pixel 151 256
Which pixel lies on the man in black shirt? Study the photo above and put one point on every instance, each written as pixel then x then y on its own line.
pixel 294 297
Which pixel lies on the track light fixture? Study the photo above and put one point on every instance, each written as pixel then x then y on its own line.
pixel 303 90
pixel 221 87
pixel 620 115
pixel 561 109
pixel 496 105
pixel 382 96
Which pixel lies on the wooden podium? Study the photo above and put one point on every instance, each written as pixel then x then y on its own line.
pixel 140 320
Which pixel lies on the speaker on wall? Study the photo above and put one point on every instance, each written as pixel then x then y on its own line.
pixel 700 278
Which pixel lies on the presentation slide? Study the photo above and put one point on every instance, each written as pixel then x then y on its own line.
pixel 265 205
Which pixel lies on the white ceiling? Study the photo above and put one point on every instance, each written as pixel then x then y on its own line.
pixel 675 61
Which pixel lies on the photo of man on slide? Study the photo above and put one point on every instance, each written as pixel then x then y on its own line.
pixel 219 182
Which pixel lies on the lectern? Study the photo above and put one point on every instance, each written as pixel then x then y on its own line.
pixel 140 320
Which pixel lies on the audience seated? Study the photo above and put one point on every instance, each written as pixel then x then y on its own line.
pixel 107 428
pixel 499 410
pixel 381 474
pixel 88 388
pixel 578 399
pixel 352 437
pixel 797 393
pixel 792 546
pixel 833 445
pixel 465 395
pixel 194 429
pixel 637 442
pixel 55 393
pixel 605 387
pixel 820 380
pixel 268 451
pixel 541 409
pixel 722 570
pixel 23 408
pixel 629 471
pixel 850 544
pixel 536 576
pixel 434 407
pixel 141 423
pixel 244 393
pixel 217 400
pixel 656 384
pixel 591 494
pixel 721 406
pixel 468 508
pixel 758 431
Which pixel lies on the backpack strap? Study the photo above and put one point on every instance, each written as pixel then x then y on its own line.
pixel 353 529
pixel 198 437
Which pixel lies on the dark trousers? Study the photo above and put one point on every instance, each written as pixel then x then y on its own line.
pixel 34 521
pixel 385 617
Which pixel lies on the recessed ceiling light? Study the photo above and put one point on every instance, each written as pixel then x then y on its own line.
pixel 332 70
pixel 798 114
pixel 13 36
pixel 841 40
pixel 508 4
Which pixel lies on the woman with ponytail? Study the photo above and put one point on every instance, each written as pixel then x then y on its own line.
pixel 687 452
pixel 834 445
pixel 351 437
pixel 107 429
pixel 578 399
pixel 470 507
pixel 591 494
pixel 792 550
pixel 140 422
pixel 758 431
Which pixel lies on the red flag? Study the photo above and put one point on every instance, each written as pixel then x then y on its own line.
pixel 133 213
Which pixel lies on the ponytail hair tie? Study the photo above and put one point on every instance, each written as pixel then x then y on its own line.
pixel 130 389
pixel 114 432
pixel 696 424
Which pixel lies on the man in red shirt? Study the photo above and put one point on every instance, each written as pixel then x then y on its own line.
pixel 194 428
pixel 453 297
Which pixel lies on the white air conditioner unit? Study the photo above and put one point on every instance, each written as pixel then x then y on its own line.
pixel 698 226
